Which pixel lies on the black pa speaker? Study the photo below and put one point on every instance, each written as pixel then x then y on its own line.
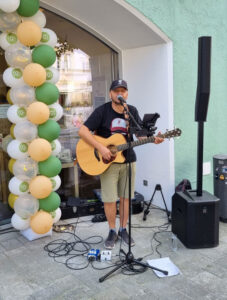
pixel 195 220
pixel 203 84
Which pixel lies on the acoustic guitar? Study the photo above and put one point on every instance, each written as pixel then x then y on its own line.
pixel 91 161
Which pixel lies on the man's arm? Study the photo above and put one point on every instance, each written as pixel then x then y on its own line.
pixel 88 137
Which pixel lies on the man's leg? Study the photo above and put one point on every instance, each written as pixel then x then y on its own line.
pixel 124 211
pixel 110 211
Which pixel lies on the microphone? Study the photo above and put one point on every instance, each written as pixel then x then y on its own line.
pixel 121 99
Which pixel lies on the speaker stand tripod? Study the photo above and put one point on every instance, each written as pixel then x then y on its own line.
pixel 147 210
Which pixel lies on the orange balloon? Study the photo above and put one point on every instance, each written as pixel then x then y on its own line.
pixel 38 113
pixel 34 74
pixel 41 222
pixel 29 33
pixel 39 149
pixel 40 187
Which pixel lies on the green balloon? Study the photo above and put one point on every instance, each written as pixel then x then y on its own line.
pixel 50 203
pixel 50 167
pixel 44 55
pixel 28 8
pixel 49 130
pixel 47 93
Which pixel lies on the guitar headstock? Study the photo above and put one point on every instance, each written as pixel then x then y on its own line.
pixel 172 133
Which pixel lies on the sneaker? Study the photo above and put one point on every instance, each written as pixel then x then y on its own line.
pixel 125 237
pixel 111 239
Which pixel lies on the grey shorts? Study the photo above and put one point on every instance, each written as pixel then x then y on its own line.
pixel 114 182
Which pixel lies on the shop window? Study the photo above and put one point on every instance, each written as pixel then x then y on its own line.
pixel 87 66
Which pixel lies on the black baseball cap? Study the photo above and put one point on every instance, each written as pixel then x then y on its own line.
pixel 118 83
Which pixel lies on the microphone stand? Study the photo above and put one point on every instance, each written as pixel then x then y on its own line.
pixel 129 259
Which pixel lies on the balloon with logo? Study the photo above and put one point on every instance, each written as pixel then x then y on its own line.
pixel 9 21
pixel 56 215
pixel 7 39
pixel 16 114
pixel 18 187
pixel 26 206
pixel 17 149
pixel 52 75
pixel 38 18
pixel 23 95
pixel 56 111
pixel 25 169
pixel 25 131
pixel 49 37
pixel 20 223
pixel 13 77
pixel 18 55
pixel 56 147
pixel 56 182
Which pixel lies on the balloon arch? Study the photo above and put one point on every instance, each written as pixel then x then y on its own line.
pixel 34 112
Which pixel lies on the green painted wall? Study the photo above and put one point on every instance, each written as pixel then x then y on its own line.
pixel 183 21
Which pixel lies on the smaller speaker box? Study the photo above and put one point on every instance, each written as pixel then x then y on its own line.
pixel 195 220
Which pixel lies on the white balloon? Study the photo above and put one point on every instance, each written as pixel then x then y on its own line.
pixel 53 75
pixel 19 223
pixel 56 182
pixel 9 5
pixel 25 169
pixel 56 147
pixel 16 113
pixel 56 215
pixel 25 131
pixel 23 95
pixel 17 149
pixel 9 21
pixel 39 18
pixel 13 77
pixel 7 39
pixel 18 187
pixel 18 56
pixel 26 205
pixel 49 37
pixel 56 111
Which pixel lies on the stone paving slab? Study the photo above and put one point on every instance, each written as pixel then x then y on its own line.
pixel 27 272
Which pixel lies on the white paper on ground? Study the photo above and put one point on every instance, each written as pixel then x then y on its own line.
pixel 164 264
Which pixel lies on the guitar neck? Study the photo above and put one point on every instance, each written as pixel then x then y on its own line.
pixel 150 139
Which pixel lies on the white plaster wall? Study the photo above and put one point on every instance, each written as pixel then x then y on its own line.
pixel 148 71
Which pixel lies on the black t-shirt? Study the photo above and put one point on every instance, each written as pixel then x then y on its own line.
pixel 105 121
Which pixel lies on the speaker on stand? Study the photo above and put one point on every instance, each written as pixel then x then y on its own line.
pixel 195 214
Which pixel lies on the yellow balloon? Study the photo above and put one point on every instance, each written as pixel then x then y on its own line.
pixel 41 222
pixel 12 130
pixel 39 149
pixel 40 187
pixel 38 113
pixel 8 97
pixel 34 74
pixel 29 33
pixel 11 199
pixel 10 164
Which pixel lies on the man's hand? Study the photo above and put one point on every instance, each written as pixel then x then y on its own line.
pixel 158 139
pixel 105 152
